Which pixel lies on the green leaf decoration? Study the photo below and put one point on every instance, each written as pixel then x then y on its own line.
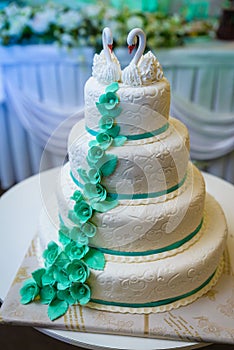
pixel 114 131
pixel 83 174
pixel 95 259
pixel 104 206
pixel 57 308
pixel 113 87
pixel 108 167
pixel 37 276
pixel 119 141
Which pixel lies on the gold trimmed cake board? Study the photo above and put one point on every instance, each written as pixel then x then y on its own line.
pixel 209 319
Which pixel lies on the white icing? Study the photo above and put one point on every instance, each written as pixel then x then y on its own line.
pixel 168 277
pixel 147 281
pixel 142 227
pixel 152 167
pixel 143 108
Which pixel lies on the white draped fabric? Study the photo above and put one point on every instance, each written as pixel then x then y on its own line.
pixel 211 133
pixel 41 95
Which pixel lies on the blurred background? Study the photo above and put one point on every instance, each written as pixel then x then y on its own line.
pixel 46 52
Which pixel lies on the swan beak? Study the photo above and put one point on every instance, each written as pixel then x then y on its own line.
pixel 131 48
pixel 110 47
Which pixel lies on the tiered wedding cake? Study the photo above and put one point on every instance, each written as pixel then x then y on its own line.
pixel 139 232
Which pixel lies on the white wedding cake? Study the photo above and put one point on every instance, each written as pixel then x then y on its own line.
pixel 139 232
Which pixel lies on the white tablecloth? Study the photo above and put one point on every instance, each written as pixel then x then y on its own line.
pixel 41 88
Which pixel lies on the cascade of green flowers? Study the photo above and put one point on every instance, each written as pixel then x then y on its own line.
pixel 63 281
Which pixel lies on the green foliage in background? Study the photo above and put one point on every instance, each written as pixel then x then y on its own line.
pixel 75 25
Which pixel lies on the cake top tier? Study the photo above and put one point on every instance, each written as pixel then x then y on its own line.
pixel 142 70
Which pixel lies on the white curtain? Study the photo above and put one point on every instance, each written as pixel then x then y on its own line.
pixel 211 133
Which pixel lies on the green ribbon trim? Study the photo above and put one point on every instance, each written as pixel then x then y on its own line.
pixel 136 195
pixel 154 303
pixel 154 251
pixel 135 137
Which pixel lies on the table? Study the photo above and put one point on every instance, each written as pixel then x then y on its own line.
pixel 26 199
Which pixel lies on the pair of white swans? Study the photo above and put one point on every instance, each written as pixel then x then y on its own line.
pixel 142 70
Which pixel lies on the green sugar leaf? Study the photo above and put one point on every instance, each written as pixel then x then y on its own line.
pixel 109 165
pixel 119 141
pixel 114 131
pixel 113 87
pixel 95 259
pixel 57 308
pixel 105 206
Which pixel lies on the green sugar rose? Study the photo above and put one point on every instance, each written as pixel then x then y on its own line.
pixel 95 192
pixel 29 291
pixel 109 100
pixel 78 271
pixel 81 293
pixel 94 176
pixel 77 196
pixel 89 229
pixel 51 253
pixel 47 294
pixel 95 153
pixel 83 211
pixel 104 140
pixel 106 123
pixel 75 250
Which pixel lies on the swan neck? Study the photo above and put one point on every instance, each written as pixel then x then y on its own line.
pixel 140 49
pixel 105 37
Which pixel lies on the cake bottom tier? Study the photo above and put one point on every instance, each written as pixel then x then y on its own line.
pixel 155 286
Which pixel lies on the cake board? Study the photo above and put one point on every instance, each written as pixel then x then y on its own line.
pixel 175 325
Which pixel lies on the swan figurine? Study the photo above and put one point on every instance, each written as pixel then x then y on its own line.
pixel 143 69
pixel 106 68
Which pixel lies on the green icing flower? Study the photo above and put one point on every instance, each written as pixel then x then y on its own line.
pixel 66 296
pixel 51 253
pixel 47 294
pixel 83 211
pixel 104 140
pixel 48 277
pixel 94 176
pixel 77 196
pixel 77 271
pixel 95 192
pixel 62 278
pixel 29 291
pixel 109 100
pixel 81 293
pixel 95 153
pixel 75 250
pixel 89 229
pixel 106 123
